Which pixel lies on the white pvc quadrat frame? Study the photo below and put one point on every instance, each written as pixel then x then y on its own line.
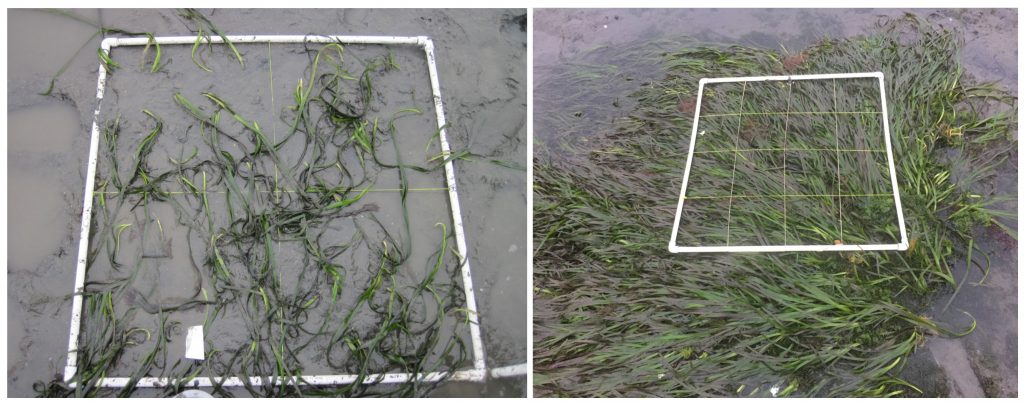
pixel 479 371
pixel 901 246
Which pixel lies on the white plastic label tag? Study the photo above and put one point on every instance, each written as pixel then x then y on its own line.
pixel 194 343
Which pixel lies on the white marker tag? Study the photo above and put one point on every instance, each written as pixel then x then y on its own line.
pixel 194 343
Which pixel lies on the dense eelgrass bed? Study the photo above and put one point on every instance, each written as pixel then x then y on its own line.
pixel 617 315
pixel 285 263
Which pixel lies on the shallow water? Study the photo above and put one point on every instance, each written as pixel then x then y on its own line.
pixel 572 36
pixel 481 63
pixel 596 36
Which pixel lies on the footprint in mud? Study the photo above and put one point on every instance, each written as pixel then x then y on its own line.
pixel 134 299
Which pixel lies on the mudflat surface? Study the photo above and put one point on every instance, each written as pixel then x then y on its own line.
pixel 982 363
pixel 481 64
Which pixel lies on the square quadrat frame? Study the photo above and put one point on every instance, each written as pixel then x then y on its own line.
pixel 901 246
pixel 476 374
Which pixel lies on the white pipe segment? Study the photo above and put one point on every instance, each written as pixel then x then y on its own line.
pixel 901 246
pixel 215 39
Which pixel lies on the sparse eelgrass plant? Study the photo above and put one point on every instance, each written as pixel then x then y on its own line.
pixel 283 251
pixel 102 31
pixel 617 315
pixel 203 30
